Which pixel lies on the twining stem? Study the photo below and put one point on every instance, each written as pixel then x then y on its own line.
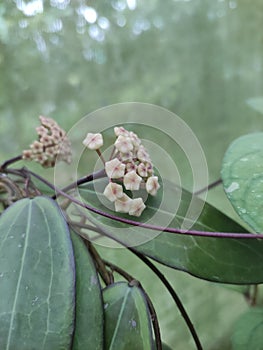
pixel 173 294
pixel 173 230
pixel 207 188
pixel 88 178
pixel 100 155
pixel 9 162
pixel 154 318
pixel 101 266
pixel 163 280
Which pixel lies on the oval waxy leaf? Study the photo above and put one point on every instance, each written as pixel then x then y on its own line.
pixel 127 319
pixel 242 174
pixel 88 332
pixel 235 261
pixel 37 277
pixel 248 331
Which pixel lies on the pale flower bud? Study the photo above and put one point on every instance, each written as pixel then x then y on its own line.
pixel 130 167
pixel 143 155
pixel 122 205
pixel 126 156
pixel 36 147
pixel 52 144
pixel 114 169
pixel 93 141
pixel 27 155
pixel 120 130
pixel 135 139
pixel 123 144
pixel 113 191
pixel 132 181
pixel 136 207
pixel 152 185
pixel 142 170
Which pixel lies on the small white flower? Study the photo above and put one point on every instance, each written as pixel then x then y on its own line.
pixel 132 181
pixel 28 155
pixel 136 207
pixel 113 191
pixel 93 141
pixel 143 155
pixel 152 185
pixel 135 139
pixel 46 140
pixel 37 147
pixel 123 144
pixel 142 170
pixel 131 167
pixel 114 169
pixel 149 168
pixel 122 205
pixel 126 156
pixel 120 130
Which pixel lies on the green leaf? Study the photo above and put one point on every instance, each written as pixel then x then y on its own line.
pixel 248 332
pixel 236 261
pixel 127 319
pixel 256 103
pixel 242 174
pixel 164 347
pixel 36 277
pixel 88 332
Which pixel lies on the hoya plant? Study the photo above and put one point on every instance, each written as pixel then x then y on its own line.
pixel 57 291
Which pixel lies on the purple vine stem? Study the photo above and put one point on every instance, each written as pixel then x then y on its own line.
pixel 230 235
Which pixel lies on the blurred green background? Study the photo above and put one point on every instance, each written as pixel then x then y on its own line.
pixel 201 59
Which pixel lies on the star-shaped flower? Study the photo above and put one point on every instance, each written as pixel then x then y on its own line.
pixel 93 141
pixel 120 130
pixel 152 185
pixel 136 207
pixel 132 181
pixel 113 191
pixel 123 144
pixel 122 205
pixel 143 155
pixel 114 169
pixel 142 170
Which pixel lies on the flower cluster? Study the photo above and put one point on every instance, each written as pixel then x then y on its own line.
pixel 130 168
pixel 52 144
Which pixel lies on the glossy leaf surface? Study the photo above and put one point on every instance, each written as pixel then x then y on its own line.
pixel 236 261
pixel 248 332
pixel 36 277
pixel 242 174
pixel 127 320
pixel 88 332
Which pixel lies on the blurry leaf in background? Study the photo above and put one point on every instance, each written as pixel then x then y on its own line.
pixel 256 103
pixel 200 59
pixel 242 174
pixel 248 332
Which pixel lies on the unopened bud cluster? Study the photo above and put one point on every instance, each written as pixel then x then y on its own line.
pixel 52 144
pixel 129 168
